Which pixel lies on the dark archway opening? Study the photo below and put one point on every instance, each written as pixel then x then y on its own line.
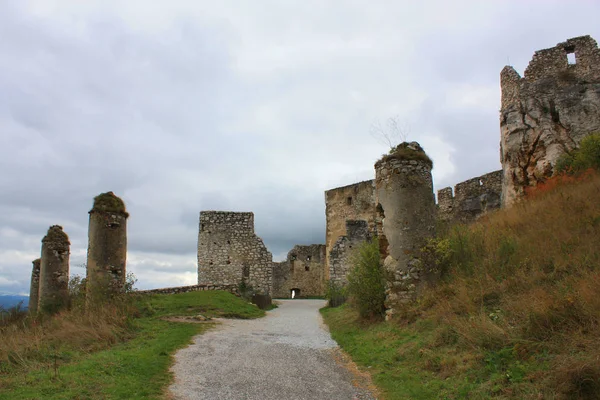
pixel 294 293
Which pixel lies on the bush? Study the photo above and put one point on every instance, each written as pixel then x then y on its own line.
pixel 366 281
pixel 336 295
pixel 585 157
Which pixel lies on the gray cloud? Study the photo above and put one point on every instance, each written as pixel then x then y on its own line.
pixel 233 106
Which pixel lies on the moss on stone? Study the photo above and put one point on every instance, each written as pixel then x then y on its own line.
pixel 109 202
pixel 56 234
pixel 407 151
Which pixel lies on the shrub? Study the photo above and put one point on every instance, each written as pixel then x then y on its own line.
pixel 585 157
pixel 366 281
pixel 336 294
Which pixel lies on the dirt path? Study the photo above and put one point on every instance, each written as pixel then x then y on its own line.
pixel 287 355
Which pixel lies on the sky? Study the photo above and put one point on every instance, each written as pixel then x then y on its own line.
pixel 181 106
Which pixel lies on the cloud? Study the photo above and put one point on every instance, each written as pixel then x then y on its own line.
pixel 190 106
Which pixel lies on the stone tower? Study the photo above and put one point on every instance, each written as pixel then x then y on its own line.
pixel 404 190
pixel 547 112
pixel 54 271
pixel 230 253
pixel 107 247
pixel 34 289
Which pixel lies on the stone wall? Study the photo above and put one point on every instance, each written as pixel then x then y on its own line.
pixel 107 247
pixel 192 288
pixel 352 202
pixel 229 252
pixel 304 269
pixel 54 271
pixel 547 112
pixel 34 288
pixel 471 198
pixel 340 256
pixel 404 189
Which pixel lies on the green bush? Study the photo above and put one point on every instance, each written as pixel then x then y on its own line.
pixel 366 281
pixel 585 157
pixel 336 295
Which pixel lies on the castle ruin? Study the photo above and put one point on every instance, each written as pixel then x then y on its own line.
pixel 230 253
pixel 471 198
pixel 342 251
pixel 107 247
pixel 34 288
pixel 547 112
pixel 54 271
pixel 303 272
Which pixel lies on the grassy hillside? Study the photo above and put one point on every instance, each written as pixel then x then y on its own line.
pixel 120 351
pixel 517 315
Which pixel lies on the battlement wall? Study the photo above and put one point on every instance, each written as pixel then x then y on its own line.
pixel 470 198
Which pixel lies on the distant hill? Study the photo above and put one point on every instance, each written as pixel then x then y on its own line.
pixel 9 300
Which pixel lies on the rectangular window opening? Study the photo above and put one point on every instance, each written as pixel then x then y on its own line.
pixel 571 56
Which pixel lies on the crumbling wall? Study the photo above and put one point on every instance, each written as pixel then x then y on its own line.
pixel 340 256
pixel 107 247
pixel 404 189
pixel 34 288
pixel 303 269
pixel 229 252
pixel 352 202
pixel 471 198
pixel 547 112
pixel 54 271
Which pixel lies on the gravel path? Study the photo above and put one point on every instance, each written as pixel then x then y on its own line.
pixel 287 355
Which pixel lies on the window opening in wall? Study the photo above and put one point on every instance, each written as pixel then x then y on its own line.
pixel 349 200
pixel 480 182
pixel 571 55
pixel 294 292
pixel 307 258
pixel 306 268
pixel 228 242
pixel 293 257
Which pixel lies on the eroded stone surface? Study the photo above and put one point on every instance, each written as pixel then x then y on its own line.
pixel 547 112
pixel 230 253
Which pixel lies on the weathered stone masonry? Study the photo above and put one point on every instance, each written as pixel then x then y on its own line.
pixel 107 247
pixel 229 252
pixel 34 288
pixel 351 202
pixel 303 270
pixel 340 256
pixel 471 198
pixel 54 271
pixel 547 112
pixel 404 190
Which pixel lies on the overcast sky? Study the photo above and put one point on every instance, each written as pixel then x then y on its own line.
pixel 262 105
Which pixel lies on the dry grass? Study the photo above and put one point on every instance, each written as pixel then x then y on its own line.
pixel 35 341
pixel 527 279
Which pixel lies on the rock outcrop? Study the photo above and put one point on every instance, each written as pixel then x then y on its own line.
pixel 547 112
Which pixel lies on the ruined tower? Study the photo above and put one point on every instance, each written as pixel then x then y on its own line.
pixel 404 191
pixel 547 112
pixel 107 247
pixel 54 271
pixel 34 288
pixel 230 253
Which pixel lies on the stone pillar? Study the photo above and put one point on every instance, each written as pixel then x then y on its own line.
pixel 54 271
pixel 107 247
pixel 34 288
pixel 404 191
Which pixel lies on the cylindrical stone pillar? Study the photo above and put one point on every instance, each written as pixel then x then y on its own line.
pixel 54 271
pixel 107 247
pixel 34 288
pixel 404 190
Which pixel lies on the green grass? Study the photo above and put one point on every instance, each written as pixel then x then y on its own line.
pixel 516 314
pixel 134 369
